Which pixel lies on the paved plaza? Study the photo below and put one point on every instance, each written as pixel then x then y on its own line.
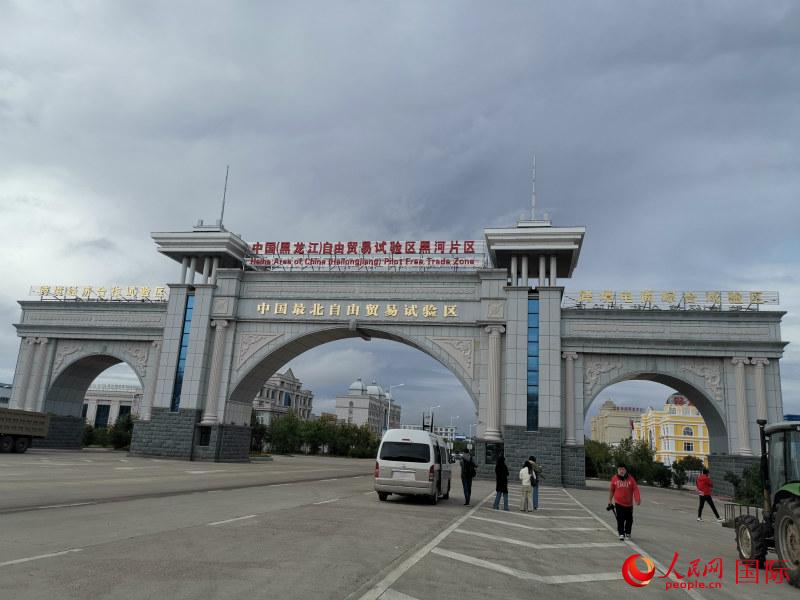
pixel 105 525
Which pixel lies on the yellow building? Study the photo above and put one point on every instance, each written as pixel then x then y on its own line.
pixel 614 423
pixel 674 432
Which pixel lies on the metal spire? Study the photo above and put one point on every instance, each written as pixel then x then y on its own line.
pixel 224 193
pixel 533 194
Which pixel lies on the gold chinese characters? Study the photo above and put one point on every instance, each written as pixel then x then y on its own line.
pixel 334 309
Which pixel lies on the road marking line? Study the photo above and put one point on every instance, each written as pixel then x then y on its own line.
pixel 550 579
pixel 30 558
pixel 530 516
pixel 232 520
pixel 204 472
pixel 64 505
pixel 395 595
pixel 507 540
pixel 130 468
pixel 370 492
pixel 518 525
pixel 395 574
pixel 327 501
pixel 692 593
pixel 324 480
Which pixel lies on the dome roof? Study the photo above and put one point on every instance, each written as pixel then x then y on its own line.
pixel 679 400
pixel 375 390
pixel 357 387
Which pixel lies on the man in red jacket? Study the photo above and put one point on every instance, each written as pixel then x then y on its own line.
pixel 621 494
pixel 704 487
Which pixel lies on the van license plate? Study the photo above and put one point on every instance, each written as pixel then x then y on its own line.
pixel 403 475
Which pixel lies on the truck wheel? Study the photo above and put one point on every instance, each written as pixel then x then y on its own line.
pixel 382 496
pixel 787 537
pixel 21 445
pixel 751 539
pixel 6 443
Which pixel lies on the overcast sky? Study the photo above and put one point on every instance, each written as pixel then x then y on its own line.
pixel 669 129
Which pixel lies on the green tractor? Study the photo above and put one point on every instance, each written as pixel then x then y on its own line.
pixel 776 525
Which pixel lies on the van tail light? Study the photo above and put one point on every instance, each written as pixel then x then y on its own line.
pixel 430 473
pixel 377 469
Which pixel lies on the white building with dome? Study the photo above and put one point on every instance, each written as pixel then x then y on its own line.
pixel 368 405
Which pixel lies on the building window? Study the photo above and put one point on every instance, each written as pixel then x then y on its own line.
pixel 101 416
pixel 124 411
pixel 688 446
pixel 175 404
pixel 688 431
pixel 533 365
pixel 83 411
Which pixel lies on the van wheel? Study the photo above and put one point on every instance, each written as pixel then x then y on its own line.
pixel 6 443
pixel 435 497
pixel 21 445
pixel 447 495
pixel 382 496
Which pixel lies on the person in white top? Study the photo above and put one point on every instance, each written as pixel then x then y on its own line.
pixel 525 474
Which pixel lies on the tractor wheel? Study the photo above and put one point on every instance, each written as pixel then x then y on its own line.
pixel 751 539
pixel 787 537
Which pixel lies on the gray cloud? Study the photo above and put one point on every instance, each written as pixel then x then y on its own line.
pixel 668 129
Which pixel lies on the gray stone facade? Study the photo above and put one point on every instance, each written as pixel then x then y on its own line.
pixel 168 434
pixel 720 464
pixel 64 432
pixel 232 446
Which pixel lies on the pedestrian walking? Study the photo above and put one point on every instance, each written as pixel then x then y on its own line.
pixel 622 493
pixel 468 471
pixel 704 487
pixel 535 480
pixel 501 486
pixel 525 474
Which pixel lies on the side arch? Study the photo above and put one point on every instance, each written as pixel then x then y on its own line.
pixel 695 384
pixel 76 366
pixel 262 364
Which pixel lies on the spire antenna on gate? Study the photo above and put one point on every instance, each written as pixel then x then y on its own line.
pixel 533 193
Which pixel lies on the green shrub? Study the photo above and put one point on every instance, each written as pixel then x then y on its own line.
pixel 88 436
pixel 679 477
pixel 691 463
pixel 100 437
pixel 747 488
pixel 662 476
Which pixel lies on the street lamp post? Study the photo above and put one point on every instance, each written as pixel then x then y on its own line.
pixel 453 433
pixel 430 413
pixel 389 416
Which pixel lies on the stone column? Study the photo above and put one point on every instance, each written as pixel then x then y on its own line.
pixel 492 433
pixel 741 407
pixel 553 271
pixel 514 270
pixel 570 397
pixel 149 393
pixel 184 267
pixel 22 381
pixel 206 268
pixel 35 383
pixel 761 388
pixel 214 267
pixel 525 273
pixel 215 376
pixel 542 270
pixel 192 270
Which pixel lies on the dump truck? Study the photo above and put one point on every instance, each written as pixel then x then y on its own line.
pixel 19 427
pixel 776 524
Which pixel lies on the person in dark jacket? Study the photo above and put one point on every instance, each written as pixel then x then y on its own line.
pixel 536 475
pixel 501 487
pixel 468 471
pixel 704 488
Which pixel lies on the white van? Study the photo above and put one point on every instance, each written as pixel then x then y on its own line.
pixel 412 463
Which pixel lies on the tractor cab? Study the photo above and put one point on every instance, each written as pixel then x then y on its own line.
pixel 783 460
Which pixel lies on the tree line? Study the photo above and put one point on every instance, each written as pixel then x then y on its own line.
pixel 288 434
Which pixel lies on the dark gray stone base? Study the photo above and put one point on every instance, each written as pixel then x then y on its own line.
pixel 168 434
pixel 719 464
pixel 233 445
pixel 573 466
pixel 519 444
pixel 65 433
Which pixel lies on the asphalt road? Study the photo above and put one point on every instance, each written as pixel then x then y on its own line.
pixel 302 527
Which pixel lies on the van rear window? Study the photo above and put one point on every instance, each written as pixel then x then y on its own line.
pixel 405 452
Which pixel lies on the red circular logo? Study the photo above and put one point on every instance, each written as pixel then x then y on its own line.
pixel 633 575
